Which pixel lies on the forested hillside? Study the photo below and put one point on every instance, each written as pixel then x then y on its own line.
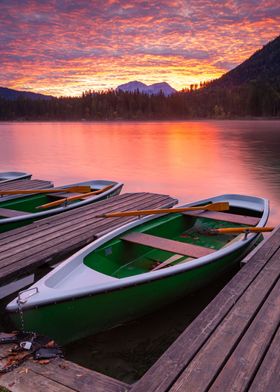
pixel 251 89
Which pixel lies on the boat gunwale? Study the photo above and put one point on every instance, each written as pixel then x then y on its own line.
pixel 57 210
pixel 143 278
pixel 20 176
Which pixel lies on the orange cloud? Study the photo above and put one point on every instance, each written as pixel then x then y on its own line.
pixel 64 48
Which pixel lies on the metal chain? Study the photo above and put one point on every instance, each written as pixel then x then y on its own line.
pixel 21 315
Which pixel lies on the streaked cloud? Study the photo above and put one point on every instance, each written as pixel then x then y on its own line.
pixel 66 47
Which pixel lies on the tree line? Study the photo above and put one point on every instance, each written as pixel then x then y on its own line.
pixel 254 99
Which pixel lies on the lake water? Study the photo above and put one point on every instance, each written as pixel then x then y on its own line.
pixel 187 160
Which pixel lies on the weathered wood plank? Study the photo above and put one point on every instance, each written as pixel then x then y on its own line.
pixel 172 246
pixel 203 369
pixel 64 219
pixel 25 380
pixel 49 232
pixel 240 368
pixel 25 184
pixel 77 377
pixel 54 250
pixel 56 238
pixel 268 375
pixel 171 364
pixel 58 373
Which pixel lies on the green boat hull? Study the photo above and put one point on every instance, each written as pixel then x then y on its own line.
pixel 28 205
pixel 73 319
pixel 137 269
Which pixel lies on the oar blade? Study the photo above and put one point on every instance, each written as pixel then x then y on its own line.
pixel 219 206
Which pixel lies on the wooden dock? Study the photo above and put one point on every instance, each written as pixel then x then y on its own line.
pixel 25 184
pixel 52 239
pixel 57 376
pixel 233 345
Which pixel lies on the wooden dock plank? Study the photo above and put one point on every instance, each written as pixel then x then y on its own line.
pixel 23 380
pixel 239 369
pixel 13 238
pixel 206 365
pixel 55 237
pixel 58 375
pixel 162 375
pixel 268 374
pixel 55 249
pixel 78 378
pixel 55 231
pixel 25 184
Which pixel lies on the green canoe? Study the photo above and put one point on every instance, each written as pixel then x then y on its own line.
pixel 20 211
pixel 117 278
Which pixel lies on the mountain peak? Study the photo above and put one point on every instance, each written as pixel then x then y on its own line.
pixel 152 89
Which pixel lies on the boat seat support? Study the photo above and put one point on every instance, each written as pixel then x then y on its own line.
pixel 224 216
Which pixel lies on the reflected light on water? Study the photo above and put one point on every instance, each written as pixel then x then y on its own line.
pixel 188 160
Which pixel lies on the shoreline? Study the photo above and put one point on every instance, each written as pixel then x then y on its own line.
pixel 142 120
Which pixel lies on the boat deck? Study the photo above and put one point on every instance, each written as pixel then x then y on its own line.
pixel 233 345
pixel 52 239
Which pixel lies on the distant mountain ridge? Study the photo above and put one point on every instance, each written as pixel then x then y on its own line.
pixel 11 94
pixel 152 89
pixel 262 66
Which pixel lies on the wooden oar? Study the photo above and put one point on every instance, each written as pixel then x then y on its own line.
pixel 72 198
pixel 73 189
pixel 221 206
pixel 236 230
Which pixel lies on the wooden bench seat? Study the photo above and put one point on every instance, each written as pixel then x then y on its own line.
pixel 8 213
pixel 172 246
pixel 224 216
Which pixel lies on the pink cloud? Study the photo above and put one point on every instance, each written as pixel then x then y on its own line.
pixel 67 47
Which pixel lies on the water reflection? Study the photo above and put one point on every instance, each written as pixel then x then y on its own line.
pixel 188 160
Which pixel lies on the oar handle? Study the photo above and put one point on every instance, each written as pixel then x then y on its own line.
pixel 221 206
pixel 233 230
pixel 77 189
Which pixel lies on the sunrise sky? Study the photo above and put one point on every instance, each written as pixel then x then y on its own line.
pixel 62 47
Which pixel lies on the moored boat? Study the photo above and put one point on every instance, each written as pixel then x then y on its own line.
pixel 139 267
pixel 13 176
pixel 24 209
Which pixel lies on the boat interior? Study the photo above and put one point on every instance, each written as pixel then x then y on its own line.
pixel 29 204
pixel 167 241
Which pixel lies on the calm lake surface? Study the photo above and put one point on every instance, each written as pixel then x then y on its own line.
pixel 187 160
